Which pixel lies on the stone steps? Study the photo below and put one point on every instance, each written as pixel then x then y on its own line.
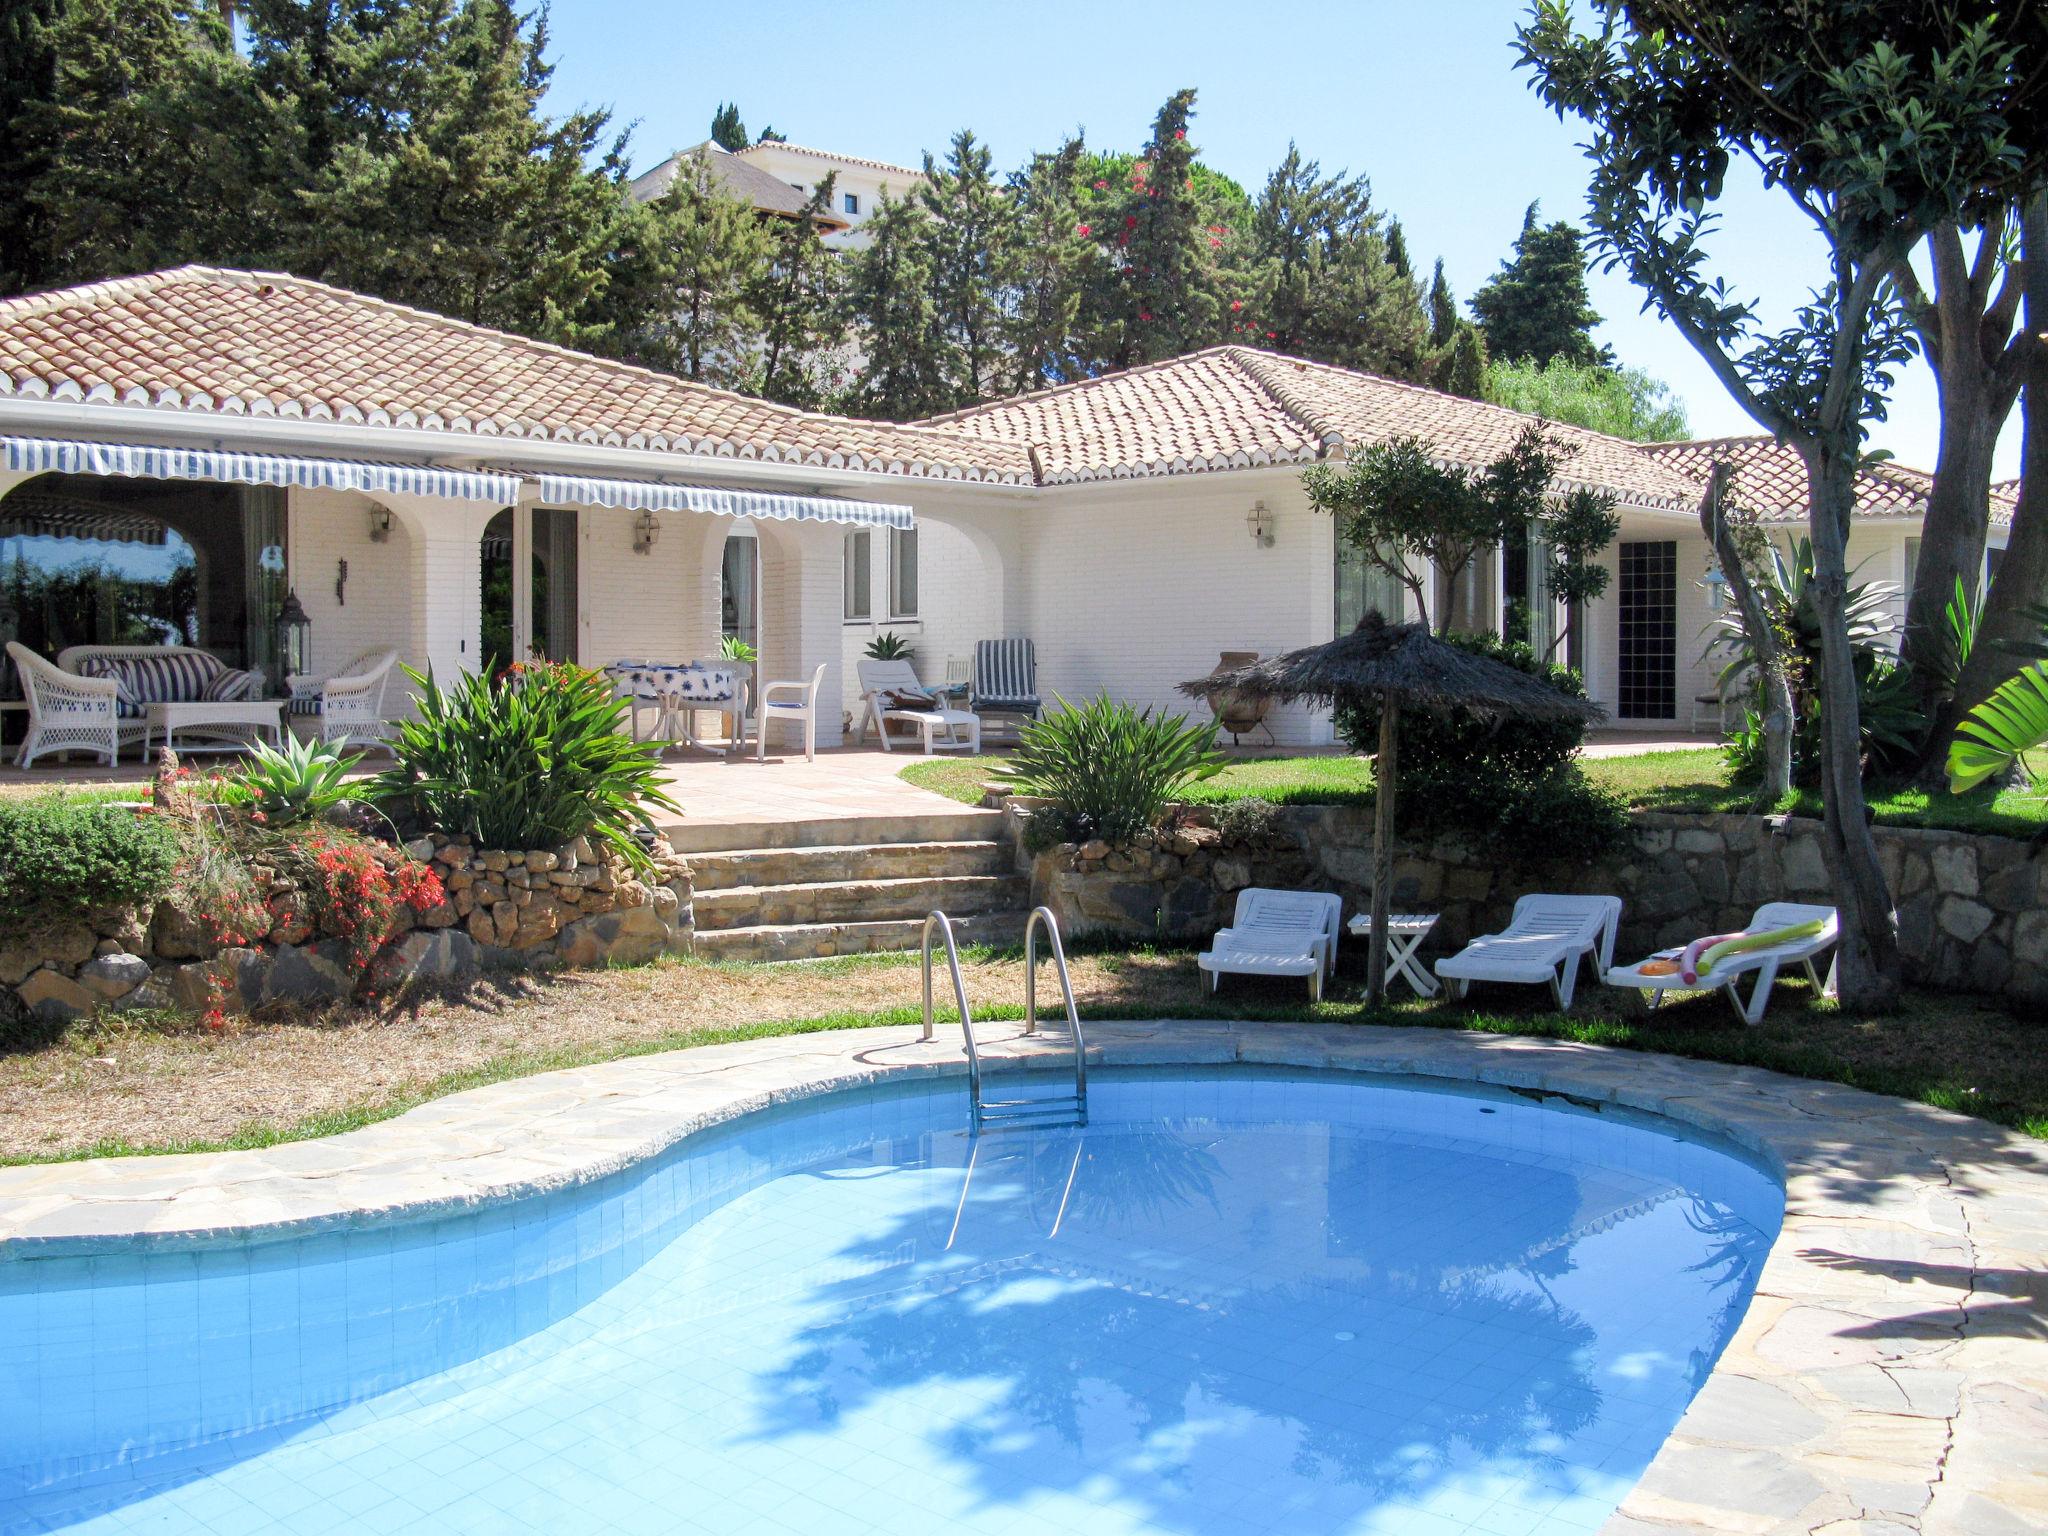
pixel 815 941
pixel 727 869
pixel 848 901
pixel 962 825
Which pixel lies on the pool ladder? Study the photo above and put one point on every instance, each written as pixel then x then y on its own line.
pixel 1056 1109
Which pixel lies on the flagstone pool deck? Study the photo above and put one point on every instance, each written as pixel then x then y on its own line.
pixel 1891 1375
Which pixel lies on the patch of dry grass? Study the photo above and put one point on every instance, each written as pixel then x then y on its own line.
pixel 160 1084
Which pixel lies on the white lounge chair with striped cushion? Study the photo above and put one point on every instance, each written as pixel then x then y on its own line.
pixel 890 691
pixel 1005 679
pixel 1766 962
pixel 1544 942
pixel 1278 933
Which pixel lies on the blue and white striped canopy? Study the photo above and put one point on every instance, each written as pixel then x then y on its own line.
pixel 155 461
pixel 657 496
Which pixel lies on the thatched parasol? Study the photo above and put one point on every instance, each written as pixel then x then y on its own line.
pixel 1403 666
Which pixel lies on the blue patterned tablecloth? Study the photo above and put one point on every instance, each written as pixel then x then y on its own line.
pixel 687 683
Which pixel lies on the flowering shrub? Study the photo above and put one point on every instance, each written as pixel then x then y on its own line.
pixel 217 890
pixel 353 893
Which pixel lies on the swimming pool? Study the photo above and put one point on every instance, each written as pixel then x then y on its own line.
pixel 1239 1301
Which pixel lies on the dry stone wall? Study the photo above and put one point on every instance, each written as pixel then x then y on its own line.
pixel 1973 910
pixel 534 909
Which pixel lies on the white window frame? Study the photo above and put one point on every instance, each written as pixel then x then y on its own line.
pixel 857 584
pixel 897 538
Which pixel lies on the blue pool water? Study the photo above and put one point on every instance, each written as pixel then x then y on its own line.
pixel 1237 1302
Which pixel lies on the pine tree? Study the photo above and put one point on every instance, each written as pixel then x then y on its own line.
pixel 727 131
pixel 1442 306
pixel 1321 282
pixel 1537 306
pixel 803 328
pixel 1056 254
pixel 909 368
pixel 687 306
pixel 28 76
pixel 150 149
pixel 1172 301
pixel 484 209
pixel 971 239
pixel 338 70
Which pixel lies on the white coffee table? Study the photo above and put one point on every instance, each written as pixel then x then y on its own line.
pixel 1405 933
pixel 231 727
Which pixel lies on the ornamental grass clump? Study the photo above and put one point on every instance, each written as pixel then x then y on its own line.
pixel 62 859
pixel 533 757
pixel 1110 770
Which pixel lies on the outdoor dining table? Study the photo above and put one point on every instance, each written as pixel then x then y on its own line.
pixel 678 690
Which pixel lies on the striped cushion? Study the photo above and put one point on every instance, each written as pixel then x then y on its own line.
pixel 230 686
pixel 1005 675
pixel 305 704
pixel 167 677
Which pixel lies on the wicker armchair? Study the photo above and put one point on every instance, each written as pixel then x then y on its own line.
pixel 349 705
pixel 67 713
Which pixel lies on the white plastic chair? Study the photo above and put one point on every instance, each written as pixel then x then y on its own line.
pixel 1767 962
pixel 1544 942
pixel 66 712
pixel 879 678
pixel 786 711
pixel 350 704
pixel 1278 933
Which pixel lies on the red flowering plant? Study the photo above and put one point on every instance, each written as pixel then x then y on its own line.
pixel 354 888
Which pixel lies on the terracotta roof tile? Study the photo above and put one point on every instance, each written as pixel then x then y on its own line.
pixel 1770 479
pixel 1230 407
pixel 211 339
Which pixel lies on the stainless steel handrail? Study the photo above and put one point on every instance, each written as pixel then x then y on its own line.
pixel 1043 915
pixel 945 926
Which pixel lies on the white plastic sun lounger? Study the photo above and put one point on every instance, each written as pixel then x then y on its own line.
pixel 1766 963
pixel 1544 942
pixel 1278 933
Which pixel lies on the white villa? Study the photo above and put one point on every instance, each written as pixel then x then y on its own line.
pixel 180 449
pixel 778 178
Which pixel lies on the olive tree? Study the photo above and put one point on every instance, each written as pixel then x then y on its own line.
pixel 1880 121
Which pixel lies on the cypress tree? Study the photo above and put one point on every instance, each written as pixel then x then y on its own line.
pixel 1537 306
pixel 1055 256
pixel 686 304
pixel 1172 300
pixel 970 231
pixel 908 370
pixel 1443 307
pixel 797 297
pixel 28 76
pixel 1397 251
pixel 727 131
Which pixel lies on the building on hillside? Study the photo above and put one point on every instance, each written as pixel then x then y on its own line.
pixel 180 450
pixel 858 184
pixel 772 197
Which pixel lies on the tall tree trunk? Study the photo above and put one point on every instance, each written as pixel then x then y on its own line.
pixel 1872 970
pixel 2022 579
pixel 1774 687
pixel 1386 772
pixel 1958 518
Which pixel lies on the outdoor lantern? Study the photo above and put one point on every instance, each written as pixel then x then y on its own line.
pixel 1260 522
pixel 645 527
pixel 380 524
pixel 294 637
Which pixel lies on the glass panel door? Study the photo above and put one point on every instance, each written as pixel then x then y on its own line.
pixel 554 583
pixel 1647 600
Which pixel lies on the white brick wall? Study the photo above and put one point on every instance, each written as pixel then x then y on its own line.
pixel 327 527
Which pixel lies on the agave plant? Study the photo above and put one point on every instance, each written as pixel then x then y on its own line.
pixel 890 646
pixel 533 758
pixel 1994 735
pixel 1788 593
pixel 290 783
pixel 1110 770
pixel 733 648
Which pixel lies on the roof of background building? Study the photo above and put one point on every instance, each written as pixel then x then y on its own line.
pixel 1770 479
pixel 826 154
pixel 234 343
pixel 1231 407
pixel 743 178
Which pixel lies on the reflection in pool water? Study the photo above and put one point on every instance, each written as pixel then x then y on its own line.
pixel 1238 1302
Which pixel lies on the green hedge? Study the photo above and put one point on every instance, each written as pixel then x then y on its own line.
pixel 60 859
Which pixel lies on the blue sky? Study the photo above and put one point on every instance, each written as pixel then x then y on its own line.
pixel 1422 97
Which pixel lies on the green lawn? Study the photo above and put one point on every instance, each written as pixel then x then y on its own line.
pixel 1695 780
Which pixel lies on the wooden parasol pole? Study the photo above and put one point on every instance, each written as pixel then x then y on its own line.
pixel 1384 772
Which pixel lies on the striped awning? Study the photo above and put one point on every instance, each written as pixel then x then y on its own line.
pixel 154 461
pixel 660 496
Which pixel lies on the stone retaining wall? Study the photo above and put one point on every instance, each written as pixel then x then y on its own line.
pixel 1973 911
pixel 538 909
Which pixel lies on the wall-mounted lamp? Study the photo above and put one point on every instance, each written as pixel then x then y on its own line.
pixel 646 527
pixel 380 524
pixel 1260 522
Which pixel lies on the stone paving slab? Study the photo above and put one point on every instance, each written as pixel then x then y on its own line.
pixel 1891 1375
